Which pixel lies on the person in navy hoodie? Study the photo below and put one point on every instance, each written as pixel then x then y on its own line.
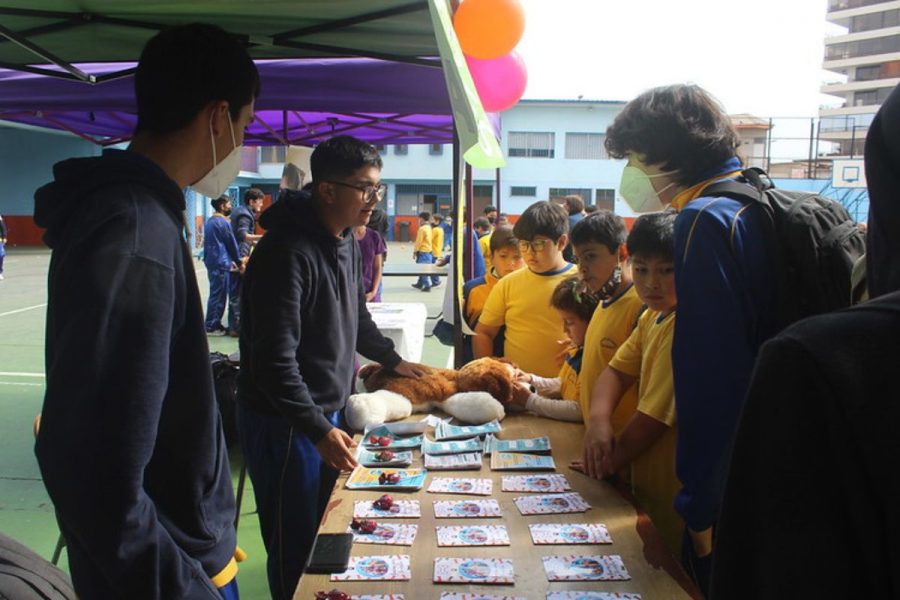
pixel 304 317
pixel 131 448
pixel 223 262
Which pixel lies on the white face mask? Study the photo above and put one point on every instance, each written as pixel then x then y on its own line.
pixel 214 183
pixel 638 192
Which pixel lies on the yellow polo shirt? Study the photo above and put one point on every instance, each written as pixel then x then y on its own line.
pixel 423 239
pixel 437 241
pixel 485 243
pixel 521 301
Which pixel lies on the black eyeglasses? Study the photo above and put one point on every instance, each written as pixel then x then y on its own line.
pixel 371 193
pixel 535 246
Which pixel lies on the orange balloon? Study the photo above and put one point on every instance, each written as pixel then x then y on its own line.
pixel 489 28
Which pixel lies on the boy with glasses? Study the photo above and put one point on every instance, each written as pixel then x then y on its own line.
pixel 521 300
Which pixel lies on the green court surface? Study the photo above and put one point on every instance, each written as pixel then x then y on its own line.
pixel 26 512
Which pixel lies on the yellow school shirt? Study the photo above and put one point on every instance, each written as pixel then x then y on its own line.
pixel 478 296
pixel 521 301
pixel 568 375
pixel 423 239
pixel 648 354
pixel 437 242
pixel 612 323
pixel 485 243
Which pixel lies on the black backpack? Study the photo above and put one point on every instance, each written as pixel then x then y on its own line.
pixel 225 381
pixel 818 243
pixel 26 576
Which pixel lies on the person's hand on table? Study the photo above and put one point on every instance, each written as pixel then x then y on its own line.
pixel 520 394
pixel 599 443
pixel 335 451
pixel 408 369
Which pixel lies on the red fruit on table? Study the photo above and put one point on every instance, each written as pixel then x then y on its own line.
pixel 373 439
pixel 384 441
pixel 385 455
pixel 368 525
pixel 384 503
pixel 354 524
pixel 332 595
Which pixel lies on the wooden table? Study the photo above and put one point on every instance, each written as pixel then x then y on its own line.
pixel 655 573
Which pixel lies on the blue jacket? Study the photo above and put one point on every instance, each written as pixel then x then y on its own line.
pixel 724 271
pixel 131 447
pixel 220 249
pixel 243 221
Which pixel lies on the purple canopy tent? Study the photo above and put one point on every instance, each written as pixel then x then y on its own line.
pixel 303 101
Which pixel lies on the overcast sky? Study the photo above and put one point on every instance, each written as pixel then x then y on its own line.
pixel 758 56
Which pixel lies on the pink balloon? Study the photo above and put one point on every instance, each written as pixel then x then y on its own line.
pixel 500 81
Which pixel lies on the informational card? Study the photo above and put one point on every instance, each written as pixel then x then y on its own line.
pixel 450 485
pixel 466 509
pixel 376 458
pixel 473 535
pixel 569 533
pixel 552 482
pixel 453 447
pixel 444 431
pixel 453 462
pixel 592 596
pixel 383 438
pixel 533 445
pixel 517 461
pixel 368 479
pixel 378 597
pixel 473 570
pixel 375 568
pixel 550 504
pixel 585 568
pixel 400 509
pixel 386 533
pixel 469 596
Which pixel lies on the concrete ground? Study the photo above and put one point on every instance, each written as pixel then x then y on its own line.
pixel 26 513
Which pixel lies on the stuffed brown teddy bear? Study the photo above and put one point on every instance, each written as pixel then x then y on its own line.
pixel 476 393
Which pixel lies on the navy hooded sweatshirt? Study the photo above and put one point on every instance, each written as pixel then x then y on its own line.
pixel 130 447
pixel 303 317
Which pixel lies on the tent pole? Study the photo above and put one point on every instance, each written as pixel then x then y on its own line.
pixel 44 54
pixel 459 233
pixel 497 185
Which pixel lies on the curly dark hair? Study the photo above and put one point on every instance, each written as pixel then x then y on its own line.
pixel 570 295
pixel 681 127
pixel 600 227
pixel 653 235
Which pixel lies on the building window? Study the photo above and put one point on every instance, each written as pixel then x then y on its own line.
pixel 382 148
pixel 585 145
pixel 272 154
pixel 882 45
pixel 435 149
pixel 871 97
pixel 401 149
pixel 531 144
pixel 559 193
pixel 845 122
pixel 876 20
pixel 529 191
pixel 605 199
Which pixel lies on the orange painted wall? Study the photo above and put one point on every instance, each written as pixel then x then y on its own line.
pixel 23 231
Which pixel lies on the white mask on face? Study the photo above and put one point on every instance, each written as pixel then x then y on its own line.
pixel 214 183
pixel 637 190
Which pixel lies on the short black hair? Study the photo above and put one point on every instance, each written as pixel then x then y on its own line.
pixel 340 156
pixel 653 236
pixel 571 296
pixel 503 237
pixel 574 204
pixel 184 68
pixel 217 203
pixel 591 208
pixel 482 223
pixel 680 127
pixel 253 194
pixel 378 221
pixel 292 175
pixel 542 218
pixel 489 209
pixel 600 227
pixel 425 215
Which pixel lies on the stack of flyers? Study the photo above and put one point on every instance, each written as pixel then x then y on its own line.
pixel 382 438
pixel 569 533
pixel 371 459
pixel 444 431
pixel 466 509
pixel 516 461
pixel 554 482
pixel 551 504
pixel 386 533
pixel 447 485
pixel 473 535
pixel 406 427
pixel 473 570
pixel 400 509
pixel 367 479
pixel 378 597
pixel 533 445
pixel 591 596
pixel 453 462
pixel 585 568
pixel 458 596
pixel 371 568
pixel 472 445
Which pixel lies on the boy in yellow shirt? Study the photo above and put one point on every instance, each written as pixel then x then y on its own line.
pixel 437 244
pixel 647 443
pixel 521 300
pixel 422 250
pixel 599 244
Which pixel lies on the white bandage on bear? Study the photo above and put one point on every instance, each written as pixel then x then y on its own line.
pixel 376 407
pixel 473 407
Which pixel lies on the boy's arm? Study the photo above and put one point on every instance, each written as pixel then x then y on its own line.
pixel 640 433
pixel 376 277
pixel 483 341
pixel 561 410
pixel 492 318
pixel 599 436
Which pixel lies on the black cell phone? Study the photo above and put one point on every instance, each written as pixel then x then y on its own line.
pixel 330 553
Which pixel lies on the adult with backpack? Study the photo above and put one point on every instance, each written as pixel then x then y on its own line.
pixel 733 260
